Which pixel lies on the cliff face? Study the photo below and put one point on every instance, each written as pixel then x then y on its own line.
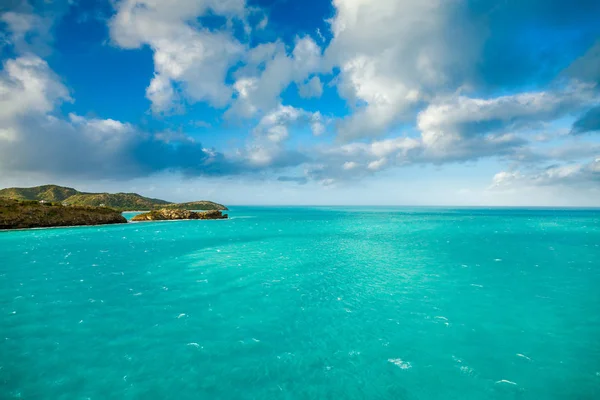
pixel 168 214
pixel 31 214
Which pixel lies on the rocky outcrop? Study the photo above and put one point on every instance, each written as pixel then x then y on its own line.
pixel 169 214
pixel 16 214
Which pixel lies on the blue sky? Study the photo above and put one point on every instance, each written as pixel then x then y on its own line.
pixel 408 102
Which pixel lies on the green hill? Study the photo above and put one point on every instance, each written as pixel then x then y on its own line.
pixel 47 192
pixel 119 201
pixel 122 201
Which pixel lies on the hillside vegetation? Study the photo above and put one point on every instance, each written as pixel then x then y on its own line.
pixel 19 214
pixel 121 201
pixel 118 201
pixel 47 192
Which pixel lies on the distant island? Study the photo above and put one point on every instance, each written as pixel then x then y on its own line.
pixel 53 206
pixel 118 201
pixel 20 214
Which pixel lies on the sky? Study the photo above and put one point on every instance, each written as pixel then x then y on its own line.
pixel 305 102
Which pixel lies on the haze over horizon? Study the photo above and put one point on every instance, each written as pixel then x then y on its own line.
pixel 365 102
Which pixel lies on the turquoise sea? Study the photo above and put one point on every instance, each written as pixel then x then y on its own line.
pixel 306 303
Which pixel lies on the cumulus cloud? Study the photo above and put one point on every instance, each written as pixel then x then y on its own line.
pixel 187 56
pixel 96 148
pixel 32 139
pixel 192 61
pixel 463 127
pixel 269 71
pixel 357 160
pixel 472 116
pixel 377 164
pixel 395 54
pixel 29 86
pixel 276 124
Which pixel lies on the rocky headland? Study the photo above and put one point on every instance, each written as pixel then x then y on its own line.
pixel 166 214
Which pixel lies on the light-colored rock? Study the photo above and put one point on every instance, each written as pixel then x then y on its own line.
pixel 169 214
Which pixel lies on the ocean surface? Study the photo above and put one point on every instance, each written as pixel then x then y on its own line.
pixel 306 303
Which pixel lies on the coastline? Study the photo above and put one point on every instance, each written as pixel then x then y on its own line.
pixel 145 211
pixel 102 225
pixel 169 215
pixel 15 214
pixel 175 220
pixel 61 227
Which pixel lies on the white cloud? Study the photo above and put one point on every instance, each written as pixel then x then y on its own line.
pixel 377 164
pixel 192 62
pixel 275 124
pixel 470 116
pixel 505 178
pixel 32 91
pixel 33 139
pixel 162 95
pixel 569 175
pixel 280 69
pixel 461 127
pixel 261 156
pixel 312 88
pixel 357 160
pixel 192 56
pixel 393 54
pixel 263 23
pixel 399 146
pixel 28 86
pixel 27 31
pixel 317 124
pixel 349 165
pixel 277 133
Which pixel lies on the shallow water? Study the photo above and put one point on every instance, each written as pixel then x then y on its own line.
pixel 306 303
